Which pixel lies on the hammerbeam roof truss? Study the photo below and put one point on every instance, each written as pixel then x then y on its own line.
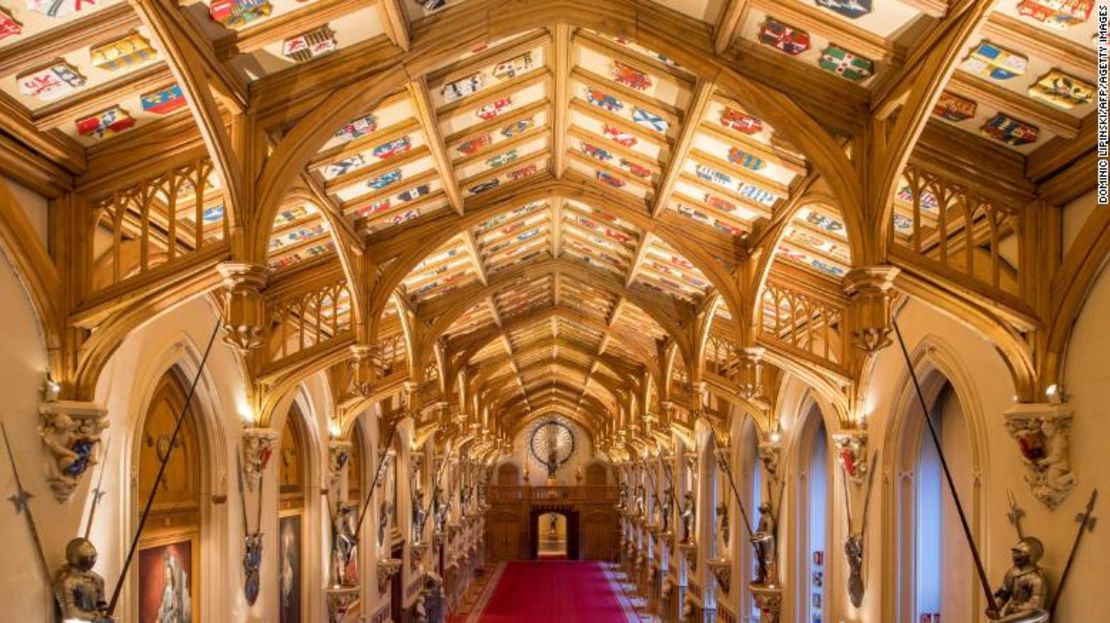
pixel 667 182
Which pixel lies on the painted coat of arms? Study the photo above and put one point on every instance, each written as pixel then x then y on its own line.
pixel 1062 90
pixel 619 135
pixel 735 120
pixel 385 179
pixel 710 174
pixel 522 172
pixel 840 62
pixel 478 189
pixel 473 145
pixel 649 119
pixel 8 26
pixel 344 166
pixel 742 158
pixel 461 88
pixel 783 38
pixel 518 127
pixel 105 123
pixel 58 8
pixel 848 8
pixel 502 159
pixel 392 148
pixel 125 51
pixel 507 70
pixel 603 100
pixel 636 169
pixel 1059 14
pixel 494 108
pixel 991 61
pixel 164 100
pixel 596 152
pixel 357 129
pixel 1006 129
pixel 309 45
pixel 609 179
pixel 630 76
pixel 954 108
pixel 58 79
pixel 235 13
pixel 719 203
pixel 414 193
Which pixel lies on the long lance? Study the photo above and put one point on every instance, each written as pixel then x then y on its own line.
pixel 435 484
pixel 723 462
pixel 161 474
pixel 1086 523
pixel 377 479
pixel 993 605
pixel 98 493
pixel 21 501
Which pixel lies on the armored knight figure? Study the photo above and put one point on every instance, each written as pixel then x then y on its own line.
pixel 439 510
pixel 688 517
pixel 343 543
pixel 78 589
pixel 665 508
pixel 722 523
pixel 1024 592
pixel 640 501
pixel 385 514
pixel 764 543
pixel 419 516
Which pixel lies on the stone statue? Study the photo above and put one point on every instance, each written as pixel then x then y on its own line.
pixel 73 449
pixel 1024 592
pixel 1055 466
pixel 722 523
pixel 344 543
pixel 552 462
pixel 78 589
pixel 688 511
pixel 764 543
pixel 419 516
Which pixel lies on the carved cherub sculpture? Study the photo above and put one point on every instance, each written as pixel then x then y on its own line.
pixel 1024 592
pixel 73 450
pixel 78 589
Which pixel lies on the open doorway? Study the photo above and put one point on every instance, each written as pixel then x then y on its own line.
pixel 551 530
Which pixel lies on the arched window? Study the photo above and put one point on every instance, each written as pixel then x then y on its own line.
pixel 291 506
pixel 169 555
pixel 932 539
pixel 752 490
pixel 813 516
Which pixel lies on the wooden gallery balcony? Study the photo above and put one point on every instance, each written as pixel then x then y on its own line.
pixel 589 511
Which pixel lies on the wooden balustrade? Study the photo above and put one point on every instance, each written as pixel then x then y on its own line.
pixel 552 494
pixel 305 321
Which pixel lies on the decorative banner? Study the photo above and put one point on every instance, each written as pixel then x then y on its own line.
pixel 990 61
pixel 507 70
pixel 128 50
pixel 596 152
pixel 385 179
pixel 609 179
pixel 58 8
pixel 105 123
pixel 519 127
pixel 602 100
pixel 235 13
pixel 1011 131
pixel 736 120
pixel 461 88
pixel 494 108
pixel 164 100
pixel 630 76
pixel 392 148
pixel 742 158
pixel 311 44
pixel 472 146
pixel 1062 90
pixel 649 119
pixel 954 108
pixel 51 82
pixel 848 8
pixel 501 160
pixel 1060 14
pixel 357 129
pixel 840 62
pixel 618 135
pixel 8 26
pixel 783 38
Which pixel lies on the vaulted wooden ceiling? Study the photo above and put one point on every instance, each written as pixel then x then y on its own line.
pixel 555 301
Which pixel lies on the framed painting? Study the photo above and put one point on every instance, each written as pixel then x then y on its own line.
pixel 167 582
pixel 289 575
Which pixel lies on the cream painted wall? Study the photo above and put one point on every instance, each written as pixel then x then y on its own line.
pixel 34 206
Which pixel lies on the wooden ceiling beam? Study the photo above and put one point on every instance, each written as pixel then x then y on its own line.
pixel 77 34
pixel 95 99
pixel 53 145
pixel 291 24
pixel 728 22
pixel 703 92
pixel 561 68
pixel 396 24
pixel 823 24
pixel 989 94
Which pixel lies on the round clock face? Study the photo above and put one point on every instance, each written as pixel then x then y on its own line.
pixel 549 437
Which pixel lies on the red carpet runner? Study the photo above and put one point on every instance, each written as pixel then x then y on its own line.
pixel 553 592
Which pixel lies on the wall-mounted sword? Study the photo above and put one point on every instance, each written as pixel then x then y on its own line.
pixel 97 492
pixel 21 500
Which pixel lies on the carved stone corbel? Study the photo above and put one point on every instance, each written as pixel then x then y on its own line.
pixel 851 452
pixel 362 364
pixel 770 455
pixel 721 569
pixel 749 381
pixel 769 601
pixel 71 434
pixel 869 290
pixel 258 448
pixel 689 552
pixel 419 552
pixel 387 568
pixel 1042 433
pixel 244 305
pixel 341 601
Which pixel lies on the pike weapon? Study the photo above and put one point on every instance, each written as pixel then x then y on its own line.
pixel 1086 523
pixel 723 462
pixel 21 500
pixel 98 493
pixel 987 592
pixel 867 496
pixel 435 484
pixel 1015 514
pixel 377 478
pixel 161 474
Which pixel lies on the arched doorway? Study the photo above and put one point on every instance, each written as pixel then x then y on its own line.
pixel 551 529
pixel 566 526
pixel 169 548
pixel 291 507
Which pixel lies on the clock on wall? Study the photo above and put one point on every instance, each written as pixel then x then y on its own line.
pixel 552 444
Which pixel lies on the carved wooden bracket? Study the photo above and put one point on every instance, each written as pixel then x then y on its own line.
pixel 769 601
pixel 362 363
pixel 72 437
pixel 258 447
pixel 243 306
pixel 387 568
pixel 721 569
pixel 1042 432
pixel 851 451
pixel 749 380
pixel 339 456
pixel 869 291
